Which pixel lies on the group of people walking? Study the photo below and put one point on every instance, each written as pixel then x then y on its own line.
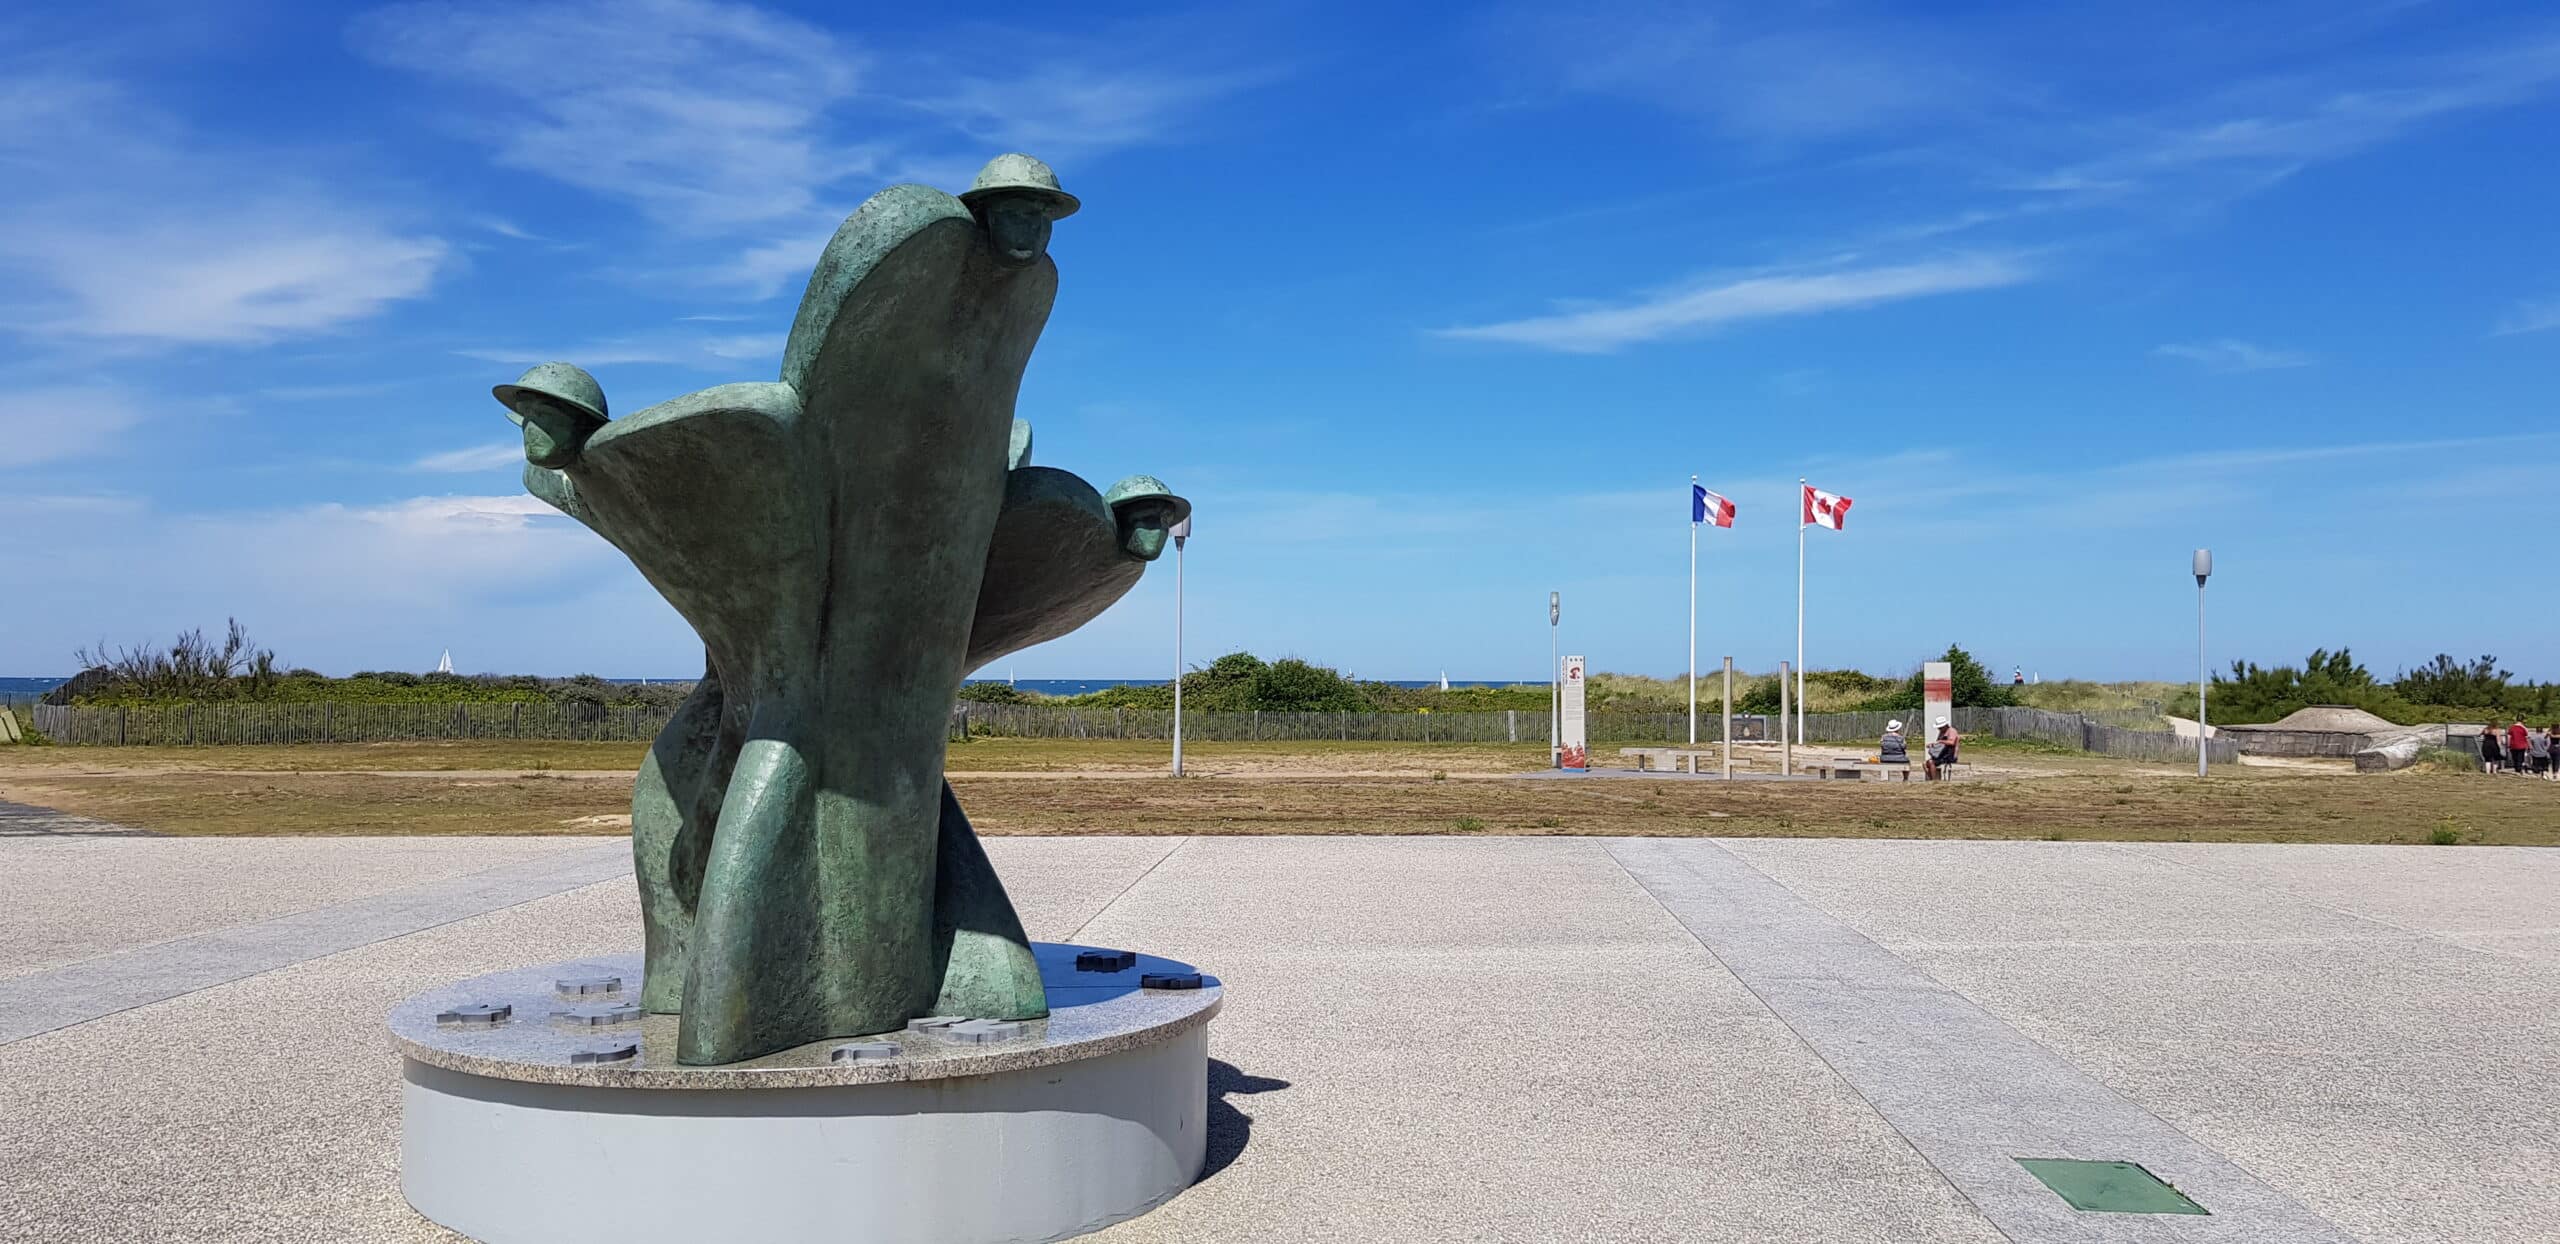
pixel 2519 748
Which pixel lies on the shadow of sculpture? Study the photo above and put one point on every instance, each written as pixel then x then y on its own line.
pixel 1229 1128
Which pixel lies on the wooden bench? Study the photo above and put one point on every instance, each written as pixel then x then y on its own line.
pixel 1667 759
pixel 1878 771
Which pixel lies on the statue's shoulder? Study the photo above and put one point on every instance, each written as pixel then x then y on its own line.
pixel 748 405
pixel 884 222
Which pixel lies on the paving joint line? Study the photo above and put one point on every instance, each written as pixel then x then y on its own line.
pixel 149 994
pixel 1793 1030
pixel 1669 848
pixel 176 938
pixel 1134 882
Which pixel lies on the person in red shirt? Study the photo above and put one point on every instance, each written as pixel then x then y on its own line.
pixel 2519 744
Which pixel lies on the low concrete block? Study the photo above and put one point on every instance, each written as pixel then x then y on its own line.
pixel 2398 752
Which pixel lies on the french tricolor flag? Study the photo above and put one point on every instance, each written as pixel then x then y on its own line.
pixel 1708 507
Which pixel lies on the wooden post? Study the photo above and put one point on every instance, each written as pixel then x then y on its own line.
pixel 1787 738
pixel 120 725
pixel 1728 719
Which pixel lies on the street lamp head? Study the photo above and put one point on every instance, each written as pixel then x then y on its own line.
pixel 2203 566
pixel 1555 607
pixel 1180 531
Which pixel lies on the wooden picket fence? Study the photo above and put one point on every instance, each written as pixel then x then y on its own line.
pixel 211 725
pixel 204 725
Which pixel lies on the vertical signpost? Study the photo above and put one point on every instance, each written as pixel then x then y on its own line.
pixel 1937 694
pixel 1574 751
pixel 1181 536
pixel 1728 723
pixel 2203 566
pixel 1786 740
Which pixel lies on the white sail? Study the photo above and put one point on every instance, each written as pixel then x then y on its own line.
pixel 445 665
pixel 1444 680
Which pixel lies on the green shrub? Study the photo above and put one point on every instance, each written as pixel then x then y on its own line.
pixel 1969 683
pixel 2447 760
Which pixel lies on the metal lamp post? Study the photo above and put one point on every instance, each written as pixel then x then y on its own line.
pixel 1181 532
pixel 2204 672
pixel 1555 683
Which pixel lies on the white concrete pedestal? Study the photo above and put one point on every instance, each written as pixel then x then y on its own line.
pixel 1095 1115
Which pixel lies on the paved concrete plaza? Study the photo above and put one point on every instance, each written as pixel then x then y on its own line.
pixel 1515 1039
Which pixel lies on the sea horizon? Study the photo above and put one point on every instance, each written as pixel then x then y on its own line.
pixel 38 685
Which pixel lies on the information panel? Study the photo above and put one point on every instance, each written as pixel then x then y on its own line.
pixel 1575 750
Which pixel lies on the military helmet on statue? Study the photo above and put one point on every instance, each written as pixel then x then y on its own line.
pixel 1015 173
pixel 565 384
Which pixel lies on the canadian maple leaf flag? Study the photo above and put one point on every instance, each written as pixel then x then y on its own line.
pixel 1708 507
pixel 1825 509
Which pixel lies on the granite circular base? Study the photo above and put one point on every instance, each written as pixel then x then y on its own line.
pixel 538 1107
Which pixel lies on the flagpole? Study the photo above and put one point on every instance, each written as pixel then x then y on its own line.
pixel 1801 485
pixel 1693 616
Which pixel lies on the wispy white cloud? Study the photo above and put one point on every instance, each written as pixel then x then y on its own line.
pixel 677 351
pixel 341 586
pixel 168 236
pixel 2255 132
pixel 477 458
pixel 1718 302
pixel 2231 355
pixel 326 392
pixel 1759 75
pixel 706 116
pixel 733 123
pixel 49 425
pixel 507 229
pixel 1071 106
pixel 2532 316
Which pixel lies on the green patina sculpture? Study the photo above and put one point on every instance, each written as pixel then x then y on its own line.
pixel 850 542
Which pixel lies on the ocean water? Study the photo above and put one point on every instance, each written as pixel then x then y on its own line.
pixel 27 688
pixel 1079 686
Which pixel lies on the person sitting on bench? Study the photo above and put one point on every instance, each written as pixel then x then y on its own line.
pixel 1942 753
pixel 1892 750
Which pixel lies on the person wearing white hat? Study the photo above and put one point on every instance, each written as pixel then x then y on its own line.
pixel 1942 748
pixel 1892 750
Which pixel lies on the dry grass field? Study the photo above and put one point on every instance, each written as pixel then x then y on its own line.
pixel 1014 786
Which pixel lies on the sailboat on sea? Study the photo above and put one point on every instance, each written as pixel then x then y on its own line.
pixel 445 665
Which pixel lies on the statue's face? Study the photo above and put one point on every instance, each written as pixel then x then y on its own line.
pixel 1018 224
pixel 1142 531
pixel 553 433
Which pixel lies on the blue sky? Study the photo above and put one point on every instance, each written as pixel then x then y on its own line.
pixel 1429 313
